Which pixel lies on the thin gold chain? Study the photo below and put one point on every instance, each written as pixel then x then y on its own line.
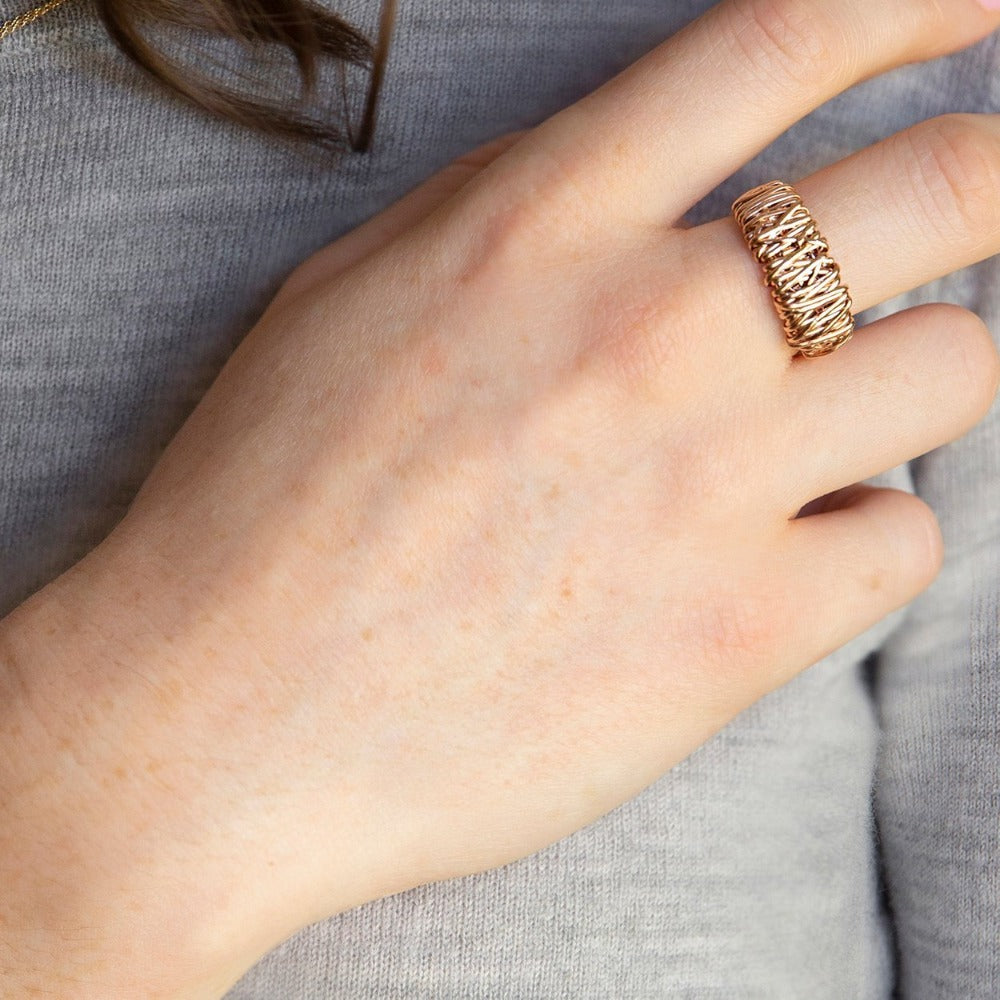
pixel 10 26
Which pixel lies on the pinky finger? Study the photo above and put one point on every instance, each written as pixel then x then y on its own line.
pixel 868 552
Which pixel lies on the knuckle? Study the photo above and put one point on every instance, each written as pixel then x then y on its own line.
pixel 789 41
pixel 560 185
pixel 955 169
pixel 647 321
pixel 530 213
pixel 639 341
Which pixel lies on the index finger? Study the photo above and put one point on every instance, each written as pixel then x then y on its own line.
pixel 653 140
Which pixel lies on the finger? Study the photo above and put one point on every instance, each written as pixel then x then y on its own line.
pixel 906 384
pixel 846 569
pixel 397 218
pixel 916 206
pixel 656 138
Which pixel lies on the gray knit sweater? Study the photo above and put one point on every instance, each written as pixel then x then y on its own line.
pixel 140 240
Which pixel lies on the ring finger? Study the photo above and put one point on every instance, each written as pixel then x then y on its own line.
pixel 910 209
pixel 914 207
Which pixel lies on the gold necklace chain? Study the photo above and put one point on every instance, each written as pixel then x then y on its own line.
pixel 10 26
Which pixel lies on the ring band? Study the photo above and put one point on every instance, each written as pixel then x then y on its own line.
pixel 804 280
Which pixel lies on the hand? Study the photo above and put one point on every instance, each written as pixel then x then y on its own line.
pixel 491 519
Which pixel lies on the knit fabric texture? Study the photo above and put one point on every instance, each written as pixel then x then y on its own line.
pixel 839 839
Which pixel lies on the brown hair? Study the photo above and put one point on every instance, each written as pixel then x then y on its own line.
pixel 307 32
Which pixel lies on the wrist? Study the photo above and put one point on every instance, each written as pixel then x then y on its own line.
pixel 117 880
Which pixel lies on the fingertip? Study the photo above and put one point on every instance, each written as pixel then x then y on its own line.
pixel 927 543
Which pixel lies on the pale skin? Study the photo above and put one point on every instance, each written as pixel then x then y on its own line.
pixel 491 518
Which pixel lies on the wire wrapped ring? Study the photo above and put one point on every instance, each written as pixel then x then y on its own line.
pixel 804 280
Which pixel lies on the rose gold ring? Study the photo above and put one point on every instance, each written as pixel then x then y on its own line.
pixel 804 280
